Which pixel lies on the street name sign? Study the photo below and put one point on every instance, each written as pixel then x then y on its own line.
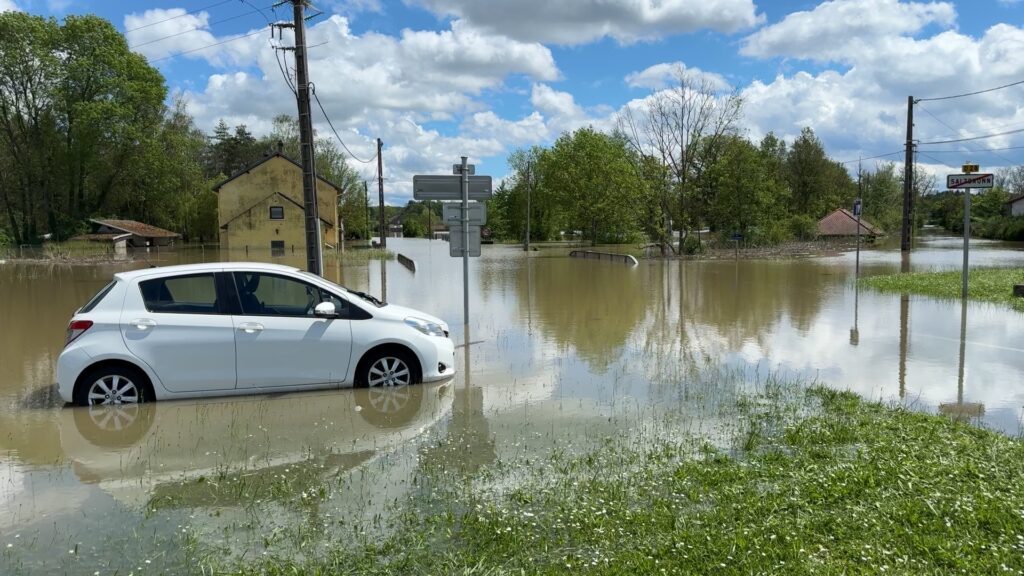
pixel 431 187
pixel 455 240
pixel 451 212
pixel 958 181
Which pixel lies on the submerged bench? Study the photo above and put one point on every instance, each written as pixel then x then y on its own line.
pixel 610 256
pixel 407 262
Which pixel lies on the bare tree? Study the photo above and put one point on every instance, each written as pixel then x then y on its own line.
pixel 678 125
pixel 1011 179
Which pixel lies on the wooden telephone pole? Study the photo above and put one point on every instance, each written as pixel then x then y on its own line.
pixel 314 245
pixel 380 191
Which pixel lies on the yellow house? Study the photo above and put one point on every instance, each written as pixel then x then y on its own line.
pixel 261 207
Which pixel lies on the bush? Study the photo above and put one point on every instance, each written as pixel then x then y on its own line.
pixel 803 227
pixel 692 246
pixel 1001 228
pixel 5 239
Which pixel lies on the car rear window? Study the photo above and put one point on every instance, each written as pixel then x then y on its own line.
pixel 95 300
pixel 192 294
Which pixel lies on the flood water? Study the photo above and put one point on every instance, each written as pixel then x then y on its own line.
pixel 557 352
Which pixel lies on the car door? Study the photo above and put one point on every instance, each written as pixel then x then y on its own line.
pixel 278 339
pixel 177 325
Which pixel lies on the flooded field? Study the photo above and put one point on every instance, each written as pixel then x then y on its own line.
pixel 558 355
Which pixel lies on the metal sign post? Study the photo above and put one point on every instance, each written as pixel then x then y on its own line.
pixel 464 173
pixel 857 208
pixel 965 182
pixel 464 186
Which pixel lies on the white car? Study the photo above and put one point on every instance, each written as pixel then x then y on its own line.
pixel 241 328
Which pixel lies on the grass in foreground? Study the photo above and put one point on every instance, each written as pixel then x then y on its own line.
pixel 985 284
pixel 852 488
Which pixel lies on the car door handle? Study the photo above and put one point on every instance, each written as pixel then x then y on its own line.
pixel 250 327
pixel 143 323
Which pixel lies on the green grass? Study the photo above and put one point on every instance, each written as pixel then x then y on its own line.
pixel 827 484
pixel 363 255
pixel 985 284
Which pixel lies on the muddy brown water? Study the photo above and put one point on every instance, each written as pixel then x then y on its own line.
pixel 562 353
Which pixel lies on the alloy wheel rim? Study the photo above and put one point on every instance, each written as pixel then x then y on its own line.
pixel 389 371
pixel 113 390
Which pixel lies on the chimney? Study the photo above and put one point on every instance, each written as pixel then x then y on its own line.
pixel 280 147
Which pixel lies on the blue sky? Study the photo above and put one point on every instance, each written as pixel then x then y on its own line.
pixel 436 79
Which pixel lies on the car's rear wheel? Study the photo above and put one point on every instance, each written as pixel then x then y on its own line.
pixel 111 385
pixel 388 368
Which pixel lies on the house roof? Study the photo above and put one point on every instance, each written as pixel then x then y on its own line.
pixel 1015 198
pixel 136 228
pixel 224 226
pixel 843 223
pixel 266 158
pixel 102 237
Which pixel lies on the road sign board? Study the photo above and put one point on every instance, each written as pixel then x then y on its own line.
pixel 451 212
pixel 958 181
pixel 470 168
pixel 430 187
pixel 455 240
pixel 970 168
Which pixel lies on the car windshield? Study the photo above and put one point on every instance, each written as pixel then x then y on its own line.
pixel 363 295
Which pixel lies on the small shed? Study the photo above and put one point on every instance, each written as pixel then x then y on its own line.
pixel 842 222
pixel 141 235
pixel 117 241
pixel 1016 205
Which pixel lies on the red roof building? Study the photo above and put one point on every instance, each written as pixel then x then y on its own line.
pixel 141 234
pixel 842 222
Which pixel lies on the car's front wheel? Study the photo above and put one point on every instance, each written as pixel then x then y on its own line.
pixel 111 385
pixel 387 368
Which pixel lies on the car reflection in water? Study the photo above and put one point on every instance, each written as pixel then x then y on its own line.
pixel 140 453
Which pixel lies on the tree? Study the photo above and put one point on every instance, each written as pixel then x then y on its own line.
pixel 818 184
pixel 78 110
pixel 676 125
pixel 591 175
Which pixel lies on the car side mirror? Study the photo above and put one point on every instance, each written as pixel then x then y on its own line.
pixel 325 309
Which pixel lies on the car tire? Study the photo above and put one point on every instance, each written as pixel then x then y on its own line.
pixel 387 367
pixel 112 385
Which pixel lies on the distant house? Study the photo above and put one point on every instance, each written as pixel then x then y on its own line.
pixel 1016 204
pixel 261 207
pixel 396 227
pixel 133 233
pixel 842 222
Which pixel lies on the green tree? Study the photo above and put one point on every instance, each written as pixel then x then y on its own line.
pixel 818 184
pixel 78 111
pixel 592 176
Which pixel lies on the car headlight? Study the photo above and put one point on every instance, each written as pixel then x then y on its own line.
pixel 427 327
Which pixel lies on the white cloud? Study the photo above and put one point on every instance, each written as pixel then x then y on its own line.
pixel 843 30
pixel 159 33
pixel 8 6
pixel 666 74
pixel 583 21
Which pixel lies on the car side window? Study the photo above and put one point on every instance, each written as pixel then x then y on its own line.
pixel 262 294
pixel 191 294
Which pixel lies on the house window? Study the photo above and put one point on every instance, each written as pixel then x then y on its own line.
pixel 277 212
pixel 277 247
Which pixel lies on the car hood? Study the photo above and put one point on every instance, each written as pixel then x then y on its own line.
pixel 401 312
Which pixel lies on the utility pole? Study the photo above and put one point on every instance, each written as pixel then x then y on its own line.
pixel 858 207
pixel 314 238
pixel 908 179
pixel 366 200
pixel 380 193
pixel 529 193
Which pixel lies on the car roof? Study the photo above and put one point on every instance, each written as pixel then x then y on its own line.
pixel 204 267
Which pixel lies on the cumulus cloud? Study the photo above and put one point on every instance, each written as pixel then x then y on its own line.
pixel 583 21
pixel 160 33
pixel 842 30
pixel 8 6
pixel 666 74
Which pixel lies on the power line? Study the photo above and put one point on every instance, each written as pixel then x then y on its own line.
pixel 214 5
pixel 939 120
pixel 195 28
pixel 982 150
pixel 873 157
pixel 969 93
pixel 1007 133
pixel 329 123
pixel 168 57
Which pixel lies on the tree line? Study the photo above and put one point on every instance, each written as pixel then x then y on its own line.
pixel 990 216
pixel 85 132
pixel 679 164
